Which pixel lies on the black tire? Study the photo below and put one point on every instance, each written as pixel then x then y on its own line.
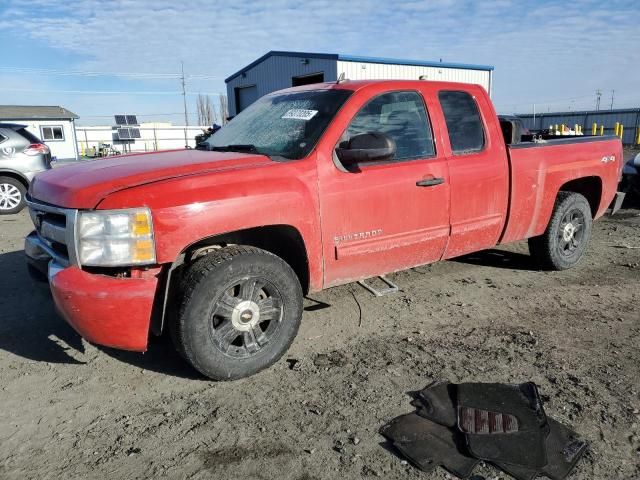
pixel 241 310
pixel 10 191
pixel 565 240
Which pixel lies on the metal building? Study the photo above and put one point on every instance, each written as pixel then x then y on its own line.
pixel 278 70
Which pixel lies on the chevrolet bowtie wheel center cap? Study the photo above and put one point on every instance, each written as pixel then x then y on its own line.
pixel 245 315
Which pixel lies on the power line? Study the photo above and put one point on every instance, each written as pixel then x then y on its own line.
pixel 109 92
pixel 137 115
pixel 89 73
pixel 631 97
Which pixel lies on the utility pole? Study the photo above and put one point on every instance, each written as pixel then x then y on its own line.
pixel 184 101
pixel 613 92
pixel 534 116
pixel 598 95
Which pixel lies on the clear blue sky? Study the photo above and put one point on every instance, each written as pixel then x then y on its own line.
pixel 555 54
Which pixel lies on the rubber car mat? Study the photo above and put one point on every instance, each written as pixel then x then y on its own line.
pixel 428 444
pixel 564 449
pixel 522 443
pixel 437 402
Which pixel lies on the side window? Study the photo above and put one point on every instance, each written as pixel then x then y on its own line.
pixel 464 124
pixel 401 116
pixel 52 133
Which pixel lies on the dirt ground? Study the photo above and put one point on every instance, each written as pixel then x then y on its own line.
pixel 73 410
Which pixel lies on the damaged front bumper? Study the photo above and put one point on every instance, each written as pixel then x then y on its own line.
pixel 107 310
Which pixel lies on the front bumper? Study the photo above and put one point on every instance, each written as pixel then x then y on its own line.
pixel 110 311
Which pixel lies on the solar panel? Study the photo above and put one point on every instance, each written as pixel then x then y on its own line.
pixel 126 120
pixel 134 132
pixel 124 134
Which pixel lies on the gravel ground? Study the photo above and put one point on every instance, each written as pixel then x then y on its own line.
pixel 74 410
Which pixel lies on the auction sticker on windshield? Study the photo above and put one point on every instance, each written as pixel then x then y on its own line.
pixel 300 114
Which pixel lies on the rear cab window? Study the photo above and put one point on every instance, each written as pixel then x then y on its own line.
pixel 464 124
pixel 400 115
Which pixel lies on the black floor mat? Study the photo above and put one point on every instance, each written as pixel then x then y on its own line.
pixel 427 444
pixel 497 406
pixel 437 402
pixel 457 425
pixel 564 449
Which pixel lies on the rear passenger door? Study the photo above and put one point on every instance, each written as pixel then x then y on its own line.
pixel 478 171
pixel 391 215
pixel 11 144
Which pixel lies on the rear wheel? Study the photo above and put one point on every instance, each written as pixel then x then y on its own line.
pixel 241 310
pixel 12 195
pixel 564 242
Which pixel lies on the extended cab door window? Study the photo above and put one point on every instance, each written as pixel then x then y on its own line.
pixel 464 124
pixel 401 116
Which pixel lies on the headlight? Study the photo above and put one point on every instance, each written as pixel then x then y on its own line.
pixel 112 238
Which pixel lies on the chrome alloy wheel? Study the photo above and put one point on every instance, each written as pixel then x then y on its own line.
pixel 570 234
pixel 246 317
pixel 10 196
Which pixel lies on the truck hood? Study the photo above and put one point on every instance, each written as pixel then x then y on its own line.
pixel 85 184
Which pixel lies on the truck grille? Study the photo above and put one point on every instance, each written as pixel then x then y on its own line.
pixel 55 227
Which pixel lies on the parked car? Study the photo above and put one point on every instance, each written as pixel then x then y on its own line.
pixel 631 176
pixel 307 188
pixel 22 156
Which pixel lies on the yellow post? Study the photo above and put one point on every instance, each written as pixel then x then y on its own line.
pixel 601 130
pixel 562 129
pixel 616 129
pixel 638 136
pixel 594 127
pixel 557 129
pixel 575 129
pixel 621 131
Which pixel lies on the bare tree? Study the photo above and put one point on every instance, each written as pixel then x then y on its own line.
pixel 206 112
pixel 224 108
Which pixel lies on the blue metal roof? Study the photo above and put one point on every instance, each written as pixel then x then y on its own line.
pixel 357 58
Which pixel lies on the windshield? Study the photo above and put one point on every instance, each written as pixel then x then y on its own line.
pixel 286 125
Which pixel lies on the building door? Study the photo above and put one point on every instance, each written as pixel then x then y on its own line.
pixel 245 96
pixel 307 79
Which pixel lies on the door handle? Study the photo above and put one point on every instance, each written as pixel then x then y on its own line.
pixel 430 182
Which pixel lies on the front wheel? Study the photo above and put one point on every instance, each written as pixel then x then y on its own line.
pixel 241 310
pixel 565 240
pixel 12 196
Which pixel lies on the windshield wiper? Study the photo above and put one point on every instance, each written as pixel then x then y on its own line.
pixel 235 148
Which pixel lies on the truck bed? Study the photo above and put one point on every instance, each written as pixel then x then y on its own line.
pixel 538 170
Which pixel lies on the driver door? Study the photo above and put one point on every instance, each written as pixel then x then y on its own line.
pixel 383 216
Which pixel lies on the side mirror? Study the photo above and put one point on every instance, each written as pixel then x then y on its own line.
pixel 366 147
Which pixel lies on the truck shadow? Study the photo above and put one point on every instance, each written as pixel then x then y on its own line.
pixel 29 325
pixel 161 357
pixel 499 259
pixel 31 328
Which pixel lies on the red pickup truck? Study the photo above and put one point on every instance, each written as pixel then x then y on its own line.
pixel 307 188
